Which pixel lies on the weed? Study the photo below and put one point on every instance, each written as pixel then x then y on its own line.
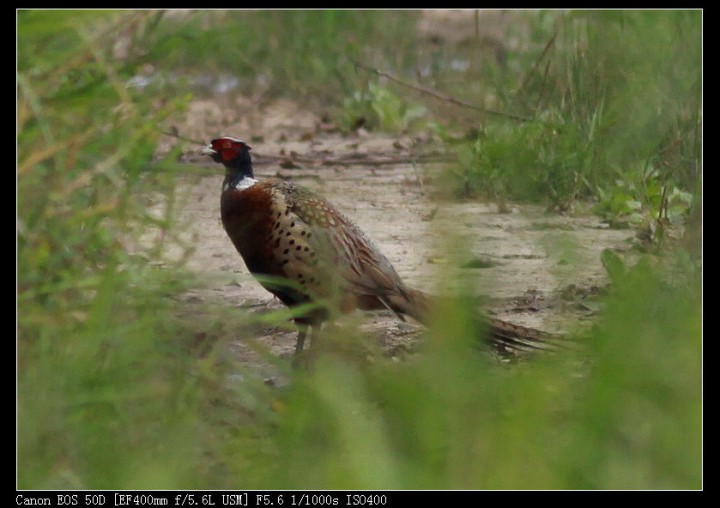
pixel 379 108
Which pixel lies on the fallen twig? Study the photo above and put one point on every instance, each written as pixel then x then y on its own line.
pixel 442 97
pixel 390 160
pixel 352 160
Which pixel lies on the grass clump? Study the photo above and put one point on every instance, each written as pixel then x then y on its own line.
pixel 624 411
pixel 623 414
pixel 610 94
pixel 102 394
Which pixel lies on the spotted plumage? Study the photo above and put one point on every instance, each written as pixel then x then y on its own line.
pixel 305 251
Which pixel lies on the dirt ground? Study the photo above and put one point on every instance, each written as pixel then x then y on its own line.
pixel 535 269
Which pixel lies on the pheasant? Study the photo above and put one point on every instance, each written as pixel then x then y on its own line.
pixel 305 251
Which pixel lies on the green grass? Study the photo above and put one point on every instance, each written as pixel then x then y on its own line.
pixel 624 414
pixel 122 384
pixel 615 103
pixel 305 55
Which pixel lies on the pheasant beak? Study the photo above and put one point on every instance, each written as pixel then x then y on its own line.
pixel 208 150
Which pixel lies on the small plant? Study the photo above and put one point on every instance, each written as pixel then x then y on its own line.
pixel 530 161
pixel 379 108
pixel 646 200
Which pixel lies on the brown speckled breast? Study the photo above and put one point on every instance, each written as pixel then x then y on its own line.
pixel 290 233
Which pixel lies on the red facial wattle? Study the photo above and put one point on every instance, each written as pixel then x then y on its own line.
pixel 228 148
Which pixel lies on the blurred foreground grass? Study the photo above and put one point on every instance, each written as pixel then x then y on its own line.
pixel 114 392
